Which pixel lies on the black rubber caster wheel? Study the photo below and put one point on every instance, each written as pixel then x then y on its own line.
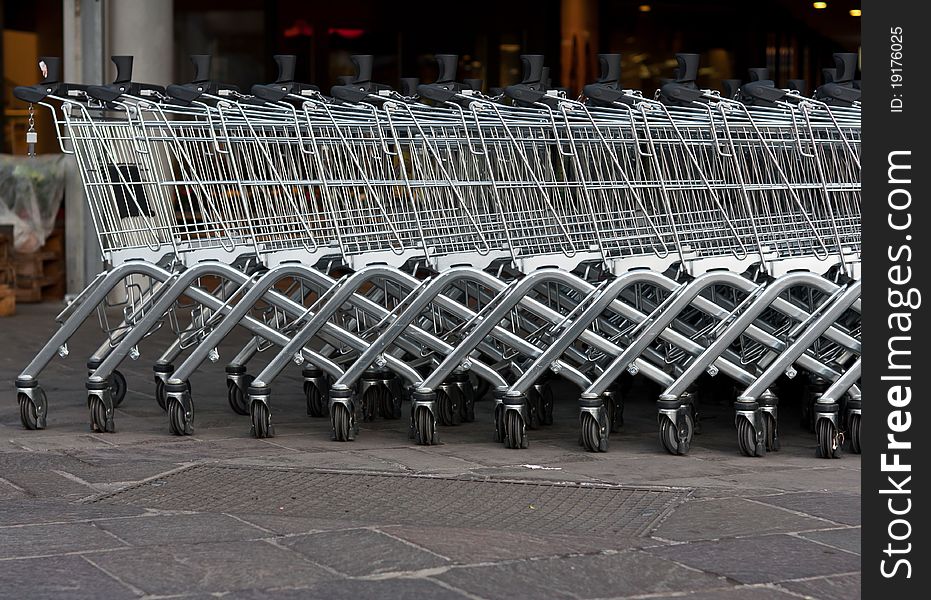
pixel 316 402
pixel 592 437
pixel 746 437
pixel 160 396
pixel 27 412
pixel 515 430
pixel 261 421
pixel 236 395
pixel 854 431
pixel 179 423
pixel 424 427
pixel 669 435
pixel 828 439
pixel 342 422
pixel 447 406
pixel 117 388
pixel 769 433
pixel 98 412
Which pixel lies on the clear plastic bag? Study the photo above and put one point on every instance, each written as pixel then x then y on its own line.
pixel 31 192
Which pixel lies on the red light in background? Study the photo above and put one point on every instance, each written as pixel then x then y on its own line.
pixel 346 32
pixel 298 29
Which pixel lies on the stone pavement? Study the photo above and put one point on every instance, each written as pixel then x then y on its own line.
pixel 220 514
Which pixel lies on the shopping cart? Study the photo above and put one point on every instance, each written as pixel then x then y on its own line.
pixel 427 239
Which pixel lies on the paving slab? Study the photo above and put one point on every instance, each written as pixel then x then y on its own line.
pixel 623 574
pixel 42 540
pixel 731 517
pixel 474 545
pixel 363 552
pixel 820 480
pixel 763 559
pixel 315 436
pixel 58 442
pixel 841 587
pixel 124 471
pixel 210 567
pixel 173 449
pixel 744 592
pixel 837 507
pixel 49 510
pixel 10 491
pixel 98 465
pixel 416 459
pixel 847 538
pixel 489 453
pixel 349 589
pixel 61 577
pixel 37 461
pixel 288 524
pixel 154 530
pixel 343 460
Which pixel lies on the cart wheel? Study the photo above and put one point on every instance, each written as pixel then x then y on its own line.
pixel 342 421
pixel 669 435
pixel 117 388
pixel 854 427
pixel 827 439
pixel 515 430
pixel 261 421
pixel 237 395
pixel 160 396
pixel 316 404
pixel 746 437
pixel 27 412
pixel 98 412
pixel 769 433
pixel 447 406
pixel 467 402
pixel 178 421
pixel 591 435
pixel 425 424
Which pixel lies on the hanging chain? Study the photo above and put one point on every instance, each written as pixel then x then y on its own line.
pixel 31 135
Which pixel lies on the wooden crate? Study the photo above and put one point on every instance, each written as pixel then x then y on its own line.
pixel 56 241
pixel 7 272
pixel 7 301
pixel 39 276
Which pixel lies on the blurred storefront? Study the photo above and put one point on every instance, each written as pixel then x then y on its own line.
pixel 791 37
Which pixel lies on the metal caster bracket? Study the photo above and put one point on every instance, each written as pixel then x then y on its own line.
pixel 30 389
